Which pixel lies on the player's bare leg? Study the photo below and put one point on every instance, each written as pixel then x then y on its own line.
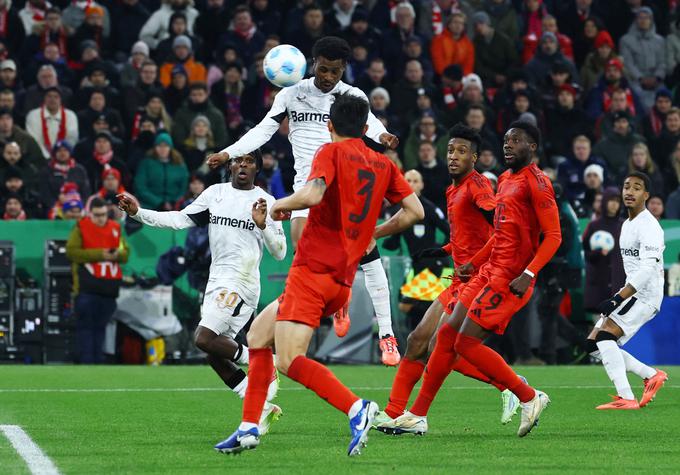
pixel 297 225
pixel 413 363
pixel 224 355
pixel 603 342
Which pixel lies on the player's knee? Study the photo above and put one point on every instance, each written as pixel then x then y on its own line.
pixel 202 340
pixel 416 345
pixel 462 345
pixel 255 338
pixel 283 363
pixel 606 336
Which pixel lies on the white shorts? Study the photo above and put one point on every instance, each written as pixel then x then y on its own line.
pixel 630 316
pixel 299 213
pixel 224 311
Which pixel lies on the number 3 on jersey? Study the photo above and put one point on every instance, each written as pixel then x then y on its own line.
pixel 368 177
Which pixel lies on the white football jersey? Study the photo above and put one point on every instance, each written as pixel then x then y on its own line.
pixel 642 246
pixel 235 240
pixel 308 110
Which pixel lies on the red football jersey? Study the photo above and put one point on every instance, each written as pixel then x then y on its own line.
pixel 339 229
pixel 469 229
pixel 525 206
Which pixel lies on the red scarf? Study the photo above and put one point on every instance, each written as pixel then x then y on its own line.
pixel 21 217
pixel 62 168
pixel 449 98
pixel 136 121
pixel 248 34
pixel 656 121
pixel 61 135
pixel 103 158
pixel 437 20
pixel 3 23
pixel 38 14
pixel 46 37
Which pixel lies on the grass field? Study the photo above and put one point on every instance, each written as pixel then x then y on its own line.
pixel 166 419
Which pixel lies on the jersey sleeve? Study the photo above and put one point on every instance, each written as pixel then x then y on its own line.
pixel 545 207
pixel 323 164
pixel 196 214
pixel 398 188
pixel 375 127
pixel 262 132
pixel 482 193
pixel 274 236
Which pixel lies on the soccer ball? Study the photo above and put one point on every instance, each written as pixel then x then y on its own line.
pixel 602 240
pixel 284 65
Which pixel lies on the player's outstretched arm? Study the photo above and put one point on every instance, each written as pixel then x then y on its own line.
pixel 157 219
pixel 410 213
pixel 310 195
pixel 272 231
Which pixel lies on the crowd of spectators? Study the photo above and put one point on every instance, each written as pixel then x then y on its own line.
pixel 102 96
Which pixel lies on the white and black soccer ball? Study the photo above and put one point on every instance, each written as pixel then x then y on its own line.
pixel 602 240
pixel 284 65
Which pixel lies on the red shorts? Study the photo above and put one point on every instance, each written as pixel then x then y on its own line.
pixel 490 303
pixel 449 297
pixel 309 297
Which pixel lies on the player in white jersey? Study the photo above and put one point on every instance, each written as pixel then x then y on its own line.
pixel 307 105
pixel 238 227
pixel 622 315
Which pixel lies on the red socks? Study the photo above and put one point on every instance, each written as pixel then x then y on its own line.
pixel 408 374
pixel 438 368
pixel 463 366
pixel 322 381
pixel 260 370
pixel 493 366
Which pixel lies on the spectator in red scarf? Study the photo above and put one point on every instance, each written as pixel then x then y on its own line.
pixel 244 35
pixel 51 31
pixel 595 63
pixel 47 78
pixel 62 169
pixel 653 123
pixel 530 40
pixel 103 158
pixel 52 122
pixel 33 14
pixel 531 16
pixel 600 97
pixel 68 192
pixel 13 209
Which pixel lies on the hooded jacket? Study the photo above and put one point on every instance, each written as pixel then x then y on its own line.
pixel 643 53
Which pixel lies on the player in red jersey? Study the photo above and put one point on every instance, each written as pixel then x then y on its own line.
pixel 525 208
pixel 345 191
pixel 470 206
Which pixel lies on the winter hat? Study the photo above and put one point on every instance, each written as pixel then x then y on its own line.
pixel 140 47
pixel 181 40
pixel 71 204
pixel 481 17
pixel 94 10
pixel 604 38
pixel 644 11
pixel 382 92
pixel 615 63
pixel 110 171
pixel 596 169
pixel 163 137
pixel 69 188
pixel 472 80
pixel 62 144
pixel 569 88
pixel 200 118
pixel 360 14
pixel 548 35
pixel 529 118
pixel 663 92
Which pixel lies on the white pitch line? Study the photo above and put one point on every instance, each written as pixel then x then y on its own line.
pixel 191 390
pixel 38 463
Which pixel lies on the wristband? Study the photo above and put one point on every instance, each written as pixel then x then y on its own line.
pixel 529 273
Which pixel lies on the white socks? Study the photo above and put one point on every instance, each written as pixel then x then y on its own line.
pixel 615 366
pixel 637 367
pixel 240 388
pixel 245 356
pixel 379 290
pixel 355 408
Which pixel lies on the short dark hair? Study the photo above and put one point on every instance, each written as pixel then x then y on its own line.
pixel 97 202
pixel 530 129
pixel 198 85
pixel 642 176
pixel 332 48
pixel 460 131
pixel 241 9
pixel 349 115
pixel 257 155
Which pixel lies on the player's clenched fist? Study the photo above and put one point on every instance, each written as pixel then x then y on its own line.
pixel 389 140
pixel 218 159
pixel 128 203
pixel 278 212
pixel 464 272
pixel 260 213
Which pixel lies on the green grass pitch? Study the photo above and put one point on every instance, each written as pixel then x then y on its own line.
pixel 105 420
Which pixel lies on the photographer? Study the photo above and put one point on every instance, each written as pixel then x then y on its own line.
pixel 561 273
